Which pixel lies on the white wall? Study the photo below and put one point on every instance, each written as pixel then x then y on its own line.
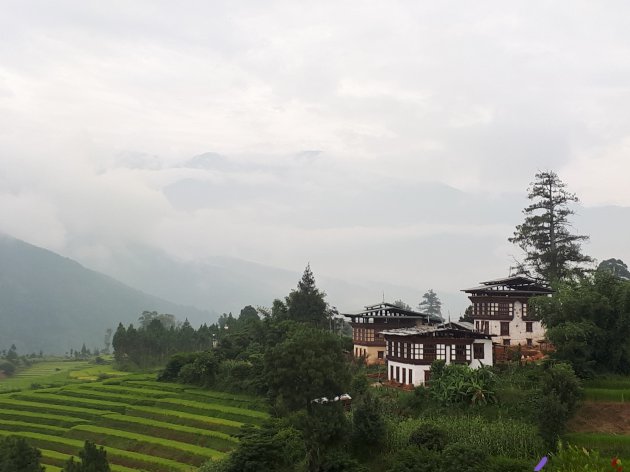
pixel 518 335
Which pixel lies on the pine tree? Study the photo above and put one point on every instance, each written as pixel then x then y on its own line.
pixel 551 250
pixel 93 459
pixel 16 455
pixel 307 304
pixel 431 304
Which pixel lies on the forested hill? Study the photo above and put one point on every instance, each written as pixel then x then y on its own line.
pixel 52 303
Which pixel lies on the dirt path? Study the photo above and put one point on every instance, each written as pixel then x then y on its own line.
pixel 601 417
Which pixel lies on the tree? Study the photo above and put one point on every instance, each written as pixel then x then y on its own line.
pixel 401 304
pixel 308 364
pixel 616 267
pixel 12 355
pixel 468 315
pixel 108 339
pixel 430 304
pixel 368 424
pixel 93 459
pixel 307 304
pixel 551 250
pixel 17 456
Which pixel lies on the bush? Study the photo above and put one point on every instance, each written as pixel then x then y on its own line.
pixel 574 459
pixel 462 458
pixel 413 459
pixel 339 461
pixel 7 367
pixel 429 437
pixel 552 419
pixel 368 424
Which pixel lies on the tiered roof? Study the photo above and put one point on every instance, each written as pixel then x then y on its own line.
pixel 388 310
pixel 519 284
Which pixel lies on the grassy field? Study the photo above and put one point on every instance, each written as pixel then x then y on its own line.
pixel 144 425
pixel 56 372
pixel 603 420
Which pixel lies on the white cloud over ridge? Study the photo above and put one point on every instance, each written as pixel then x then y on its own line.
pixel 355 134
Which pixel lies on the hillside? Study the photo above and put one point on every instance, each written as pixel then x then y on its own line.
pixel 52 303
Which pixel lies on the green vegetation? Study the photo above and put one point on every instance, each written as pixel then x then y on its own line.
pixel 155 432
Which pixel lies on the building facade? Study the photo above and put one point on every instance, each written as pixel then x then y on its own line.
pixel 500 308
pixel 368 325
pixel 411 351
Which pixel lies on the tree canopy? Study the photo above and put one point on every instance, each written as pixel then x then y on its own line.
pixel 93 459
pixel 552 251
pixel 589 323
pixel 616 267
pixel 430 304
pixel 307 304
pixel 16 455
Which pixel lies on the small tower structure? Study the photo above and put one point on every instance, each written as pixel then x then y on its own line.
pixel 368 325
pixel 500 308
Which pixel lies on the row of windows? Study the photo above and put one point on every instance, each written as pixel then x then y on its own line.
pixel 496 309
pixel 431 352
pixel 362 334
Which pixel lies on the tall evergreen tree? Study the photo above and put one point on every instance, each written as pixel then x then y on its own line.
pixel 16 455
pixel 93 459
pixel 307 304
pixel 551 250
pixel 431 304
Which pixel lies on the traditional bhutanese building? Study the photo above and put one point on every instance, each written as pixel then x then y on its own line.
pixel 500 308
pixel 368 324
pixel 411 351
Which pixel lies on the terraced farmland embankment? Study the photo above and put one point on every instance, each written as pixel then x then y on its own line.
pixel 144 425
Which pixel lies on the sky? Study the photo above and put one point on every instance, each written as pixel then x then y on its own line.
pixel 383 141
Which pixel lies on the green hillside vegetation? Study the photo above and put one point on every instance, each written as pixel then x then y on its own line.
pixel 61 304
pixel 139 432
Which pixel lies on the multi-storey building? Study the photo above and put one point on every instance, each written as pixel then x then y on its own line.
pixel 368 325
pixel 500 308
pixel 411 351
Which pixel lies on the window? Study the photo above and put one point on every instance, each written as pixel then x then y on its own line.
pixel 458 352
pixel 529 342
pixel 441 351
pixel 505 328
pixel 397 374
pixel 524 309
pixel 529 327
pixel 404 377
pixel 410 377
pixel 478 350
pixel 380 354
pixel 506 342
pixel 391 372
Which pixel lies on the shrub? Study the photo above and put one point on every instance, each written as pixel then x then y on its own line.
pixel 429 437
pixel 339 461
pixel 7 367
pixel 552 419
pixel 574 459
pixel 508 464
pixel 413 459
pixel 368 424
pixel 463 458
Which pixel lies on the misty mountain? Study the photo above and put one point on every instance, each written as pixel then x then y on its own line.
pixel 53 303
pixel 227 284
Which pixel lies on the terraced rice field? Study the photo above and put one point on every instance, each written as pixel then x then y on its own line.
pixel 144 425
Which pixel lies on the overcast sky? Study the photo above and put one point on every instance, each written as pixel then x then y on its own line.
pixel 384 141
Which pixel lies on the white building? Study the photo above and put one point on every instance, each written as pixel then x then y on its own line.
pixel 411 351
pixel 500 308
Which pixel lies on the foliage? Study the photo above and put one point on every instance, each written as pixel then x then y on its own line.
pixel 401 304
pixel 575 459
pixel 505 437
pixel 273 448
pixel 551 250
pixel 616 267
pixel 307 365
pixel 458 457
pixel 430 437
pixel 589 324
pixel 368 425
pixel 455 383
pixel 16 455
pixel 430 304
pixel 561 393
pixel 339 461
pixel 93 459
pixel 307 304
pixel 7 367
pixel 413 459
pixel 508 464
